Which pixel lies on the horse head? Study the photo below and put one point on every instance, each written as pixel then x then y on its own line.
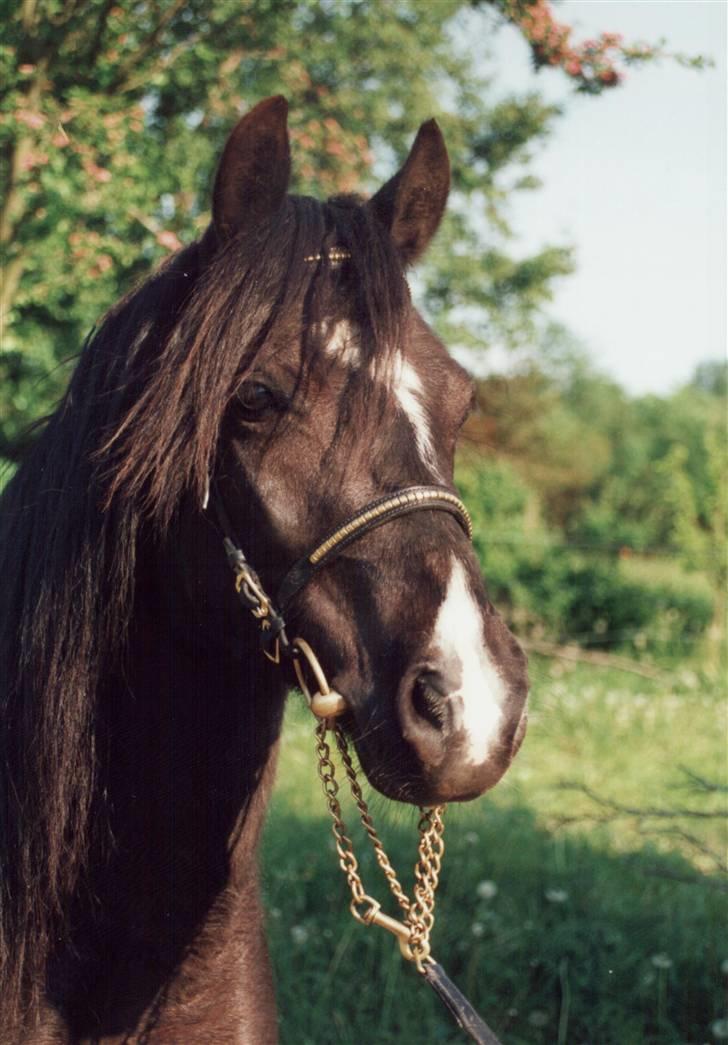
pixel 348 398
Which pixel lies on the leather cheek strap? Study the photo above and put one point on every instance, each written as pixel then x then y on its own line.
pixel 411 499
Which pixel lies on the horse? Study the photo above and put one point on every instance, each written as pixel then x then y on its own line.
pixel 277 368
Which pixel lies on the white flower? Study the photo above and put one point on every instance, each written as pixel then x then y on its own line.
pixel 661 961
pixel 471 838
pixel 477 929
pixel 719 1029
pixel 724 966
pixel 299 933
pixel 538 1018
pixel 556 895
pixel 486 890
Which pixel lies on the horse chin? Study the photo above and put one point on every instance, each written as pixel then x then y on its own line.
pixel 405 778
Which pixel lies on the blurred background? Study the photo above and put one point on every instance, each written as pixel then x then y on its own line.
pixel 581 276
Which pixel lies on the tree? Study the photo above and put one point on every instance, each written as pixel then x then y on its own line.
pixel 711 377
pixel 113 112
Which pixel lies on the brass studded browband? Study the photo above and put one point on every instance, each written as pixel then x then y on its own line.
pixel 335 256
pixel 411 499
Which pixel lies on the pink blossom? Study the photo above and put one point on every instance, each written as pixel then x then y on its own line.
pixel 612 39
pixel 100 174
pixel 30 119
pixel 167 238
pixel 34 159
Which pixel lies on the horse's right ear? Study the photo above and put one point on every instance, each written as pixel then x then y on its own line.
pixel 255 168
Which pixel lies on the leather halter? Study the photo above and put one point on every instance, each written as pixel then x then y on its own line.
pixel 269 614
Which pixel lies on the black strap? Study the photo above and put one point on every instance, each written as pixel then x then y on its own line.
pixel 458 1005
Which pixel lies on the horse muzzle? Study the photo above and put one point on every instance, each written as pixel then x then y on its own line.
pixel 461 750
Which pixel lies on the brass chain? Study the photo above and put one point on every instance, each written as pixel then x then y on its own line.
pixel 344 847
pixel 414 932
pixel 382 858
pixel 421 917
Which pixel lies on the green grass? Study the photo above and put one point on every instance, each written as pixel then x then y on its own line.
pixel 595 933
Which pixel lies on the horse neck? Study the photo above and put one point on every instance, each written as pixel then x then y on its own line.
pixel 192 734
pixel 186 748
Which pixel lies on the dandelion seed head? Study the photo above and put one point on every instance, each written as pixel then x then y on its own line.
pixel 538 1018
pixel 556 895
pixel 299 934
pixel 486 890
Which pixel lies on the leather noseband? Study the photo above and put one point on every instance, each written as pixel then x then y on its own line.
pixel 376 513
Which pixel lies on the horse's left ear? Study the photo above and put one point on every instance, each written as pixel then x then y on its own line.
pixel 255 168
pixel 412 203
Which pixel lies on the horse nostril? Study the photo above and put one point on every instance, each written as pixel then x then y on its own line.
pixel 428 700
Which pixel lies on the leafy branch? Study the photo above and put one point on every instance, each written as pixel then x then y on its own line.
pixel 654 821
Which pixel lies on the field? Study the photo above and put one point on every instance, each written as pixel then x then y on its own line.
pixel 571 909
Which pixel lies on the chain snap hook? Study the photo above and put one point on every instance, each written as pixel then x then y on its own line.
pixel 374 915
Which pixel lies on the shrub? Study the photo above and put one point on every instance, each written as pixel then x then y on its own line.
pixel 571 595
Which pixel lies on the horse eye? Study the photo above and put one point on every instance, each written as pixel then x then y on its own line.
pixel 257 399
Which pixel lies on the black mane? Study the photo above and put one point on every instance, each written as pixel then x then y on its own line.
pixel 136 431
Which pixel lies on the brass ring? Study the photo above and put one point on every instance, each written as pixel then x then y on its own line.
pixel 326 703
pixel 303 647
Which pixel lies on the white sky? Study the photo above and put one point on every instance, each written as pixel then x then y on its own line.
pixel 636 180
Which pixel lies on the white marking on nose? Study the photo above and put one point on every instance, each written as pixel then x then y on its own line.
pixel 409 392
pixel 458 639
pixel 343 342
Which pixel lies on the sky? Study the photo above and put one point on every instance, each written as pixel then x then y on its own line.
pixel 635 180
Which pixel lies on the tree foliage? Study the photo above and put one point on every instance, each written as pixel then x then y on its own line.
pixel 600 516
pixel 594 65
pixel 113 112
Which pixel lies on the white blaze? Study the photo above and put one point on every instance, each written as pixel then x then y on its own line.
pixel 341 341
pixel 409 392
pixel 458 639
